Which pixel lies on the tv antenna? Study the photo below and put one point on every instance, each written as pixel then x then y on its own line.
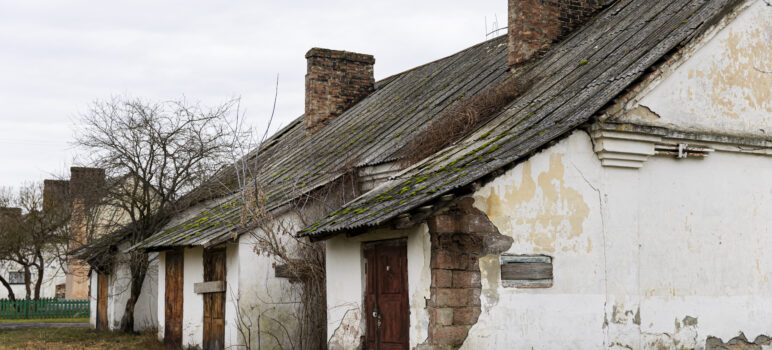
pixel 494 30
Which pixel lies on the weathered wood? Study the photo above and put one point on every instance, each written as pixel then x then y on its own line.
pixel 214 301
pixel 209 287
pixel 526 271
pixel 102 283
pixel 386 304
pixel 173 306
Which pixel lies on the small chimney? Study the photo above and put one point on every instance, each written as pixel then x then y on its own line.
pixel 535 24
pixel 335 80
pixel 56 194
pixel 87 184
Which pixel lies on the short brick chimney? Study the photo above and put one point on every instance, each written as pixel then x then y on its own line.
pixel 56 194
pixel 535 24
pixel 335 80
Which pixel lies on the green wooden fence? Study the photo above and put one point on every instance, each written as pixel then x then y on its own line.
pixel 43 308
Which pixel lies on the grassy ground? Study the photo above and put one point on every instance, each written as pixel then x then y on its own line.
pixel 76 338
pixel 48 320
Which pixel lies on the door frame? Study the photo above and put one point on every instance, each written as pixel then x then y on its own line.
pixel 369 250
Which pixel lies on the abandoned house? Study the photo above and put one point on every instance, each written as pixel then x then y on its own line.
pixel 621 200
pixel 598 177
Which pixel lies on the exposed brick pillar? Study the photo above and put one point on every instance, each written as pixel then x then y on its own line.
pixel 535 24
pixel 86 189
pixel 335 80
pixel 459 236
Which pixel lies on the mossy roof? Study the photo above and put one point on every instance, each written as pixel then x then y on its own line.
pixel 370 132
pixel 573 81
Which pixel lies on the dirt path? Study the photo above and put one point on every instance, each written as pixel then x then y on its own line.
pixel 10 326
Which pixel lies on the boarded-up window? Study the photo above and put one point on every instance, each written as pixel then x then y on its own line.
pixel 526 271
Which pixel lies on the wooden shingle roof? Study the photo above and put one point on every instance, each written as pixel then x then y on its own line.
pixel 371 132
pixel 574 80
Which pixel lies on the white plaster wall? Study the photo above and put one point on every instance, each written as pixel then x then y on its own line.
pixel 659 257
pixel 263 298
pixel 53 274
pixel 193 304
pixel 346 285
pixel 161 291
pixel 92 298
pixel 725 84
pixel 232 283
pixel 145 311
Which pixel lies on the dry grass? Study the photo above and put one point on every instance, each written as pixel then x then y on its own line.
pixel 76 338
pixel 462 118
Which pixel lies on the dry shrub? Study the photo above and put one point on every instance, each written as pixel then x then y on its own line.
pixel 462 118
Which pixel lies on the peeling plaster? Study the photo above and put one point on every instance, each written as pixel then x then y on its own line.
pixel 720 83
pixel 346 336
pixel 548 211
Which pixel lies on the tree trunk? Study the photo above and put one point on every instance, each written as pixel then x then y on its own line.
pixel 138 266
pixel 39 281
pixel 27 278
pixel 8 287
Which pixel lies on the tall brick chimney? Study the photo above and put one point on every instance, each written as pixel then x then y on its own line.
pixel 535 24
pixel 86 189
pixel 56 194
pixel 335 80
pixel 87 184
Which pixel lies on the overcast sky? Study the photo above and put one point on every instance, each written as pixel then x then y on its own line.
pixel 57 57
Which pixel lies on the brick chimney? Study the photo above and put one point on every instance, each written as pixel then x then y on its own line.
pixel 86 184
pixel 335 80
pixel 56 194
pixel 86 189
pixel 535 24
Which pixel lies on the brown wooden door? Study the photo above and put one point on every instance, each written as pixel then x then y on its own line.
pixel 173 318
pixel 386 306
pixel 101 316
pixel 214 303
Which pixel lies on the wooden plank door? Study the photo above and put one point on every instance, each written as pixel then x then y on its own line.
pixel 386 305
pixel 214 303
pixel 101 316
pixel 173 318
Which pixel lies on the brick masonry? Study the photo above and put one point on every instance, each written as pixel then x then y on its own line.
pixel 535 24
pixel 459 237
pixel 335 80
pixel 86 188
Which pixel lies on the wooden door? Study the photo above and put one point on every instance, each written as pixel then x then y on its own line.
pixel 214 303
pixel 386 305
pixel 173 318
pixel 101 316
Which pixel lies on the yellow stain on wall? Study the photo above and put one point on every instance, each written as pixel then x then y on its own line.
pixel 543 211
pixel 741 81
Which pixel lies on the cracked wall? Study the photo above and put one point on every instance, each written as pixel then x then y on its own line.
pixel 667 255
pixel 345 285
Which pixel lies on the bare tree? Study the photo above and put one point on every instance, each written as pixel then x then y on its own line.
pixel 32 235
pixel 164 150
pixel 274 234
